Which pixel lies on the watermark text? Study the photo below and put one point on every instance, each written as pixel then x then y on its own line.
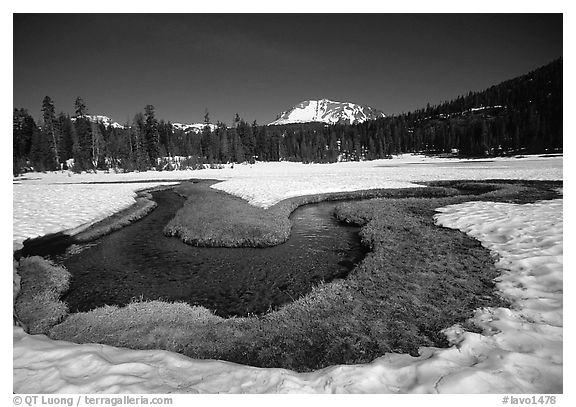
pixel 529 400
pixel 90 400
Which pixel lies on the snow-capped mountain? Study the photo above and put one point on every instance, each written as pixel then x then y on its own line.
pixel 195 127
pixel 107 121
pixel 327 111
pixel 97 118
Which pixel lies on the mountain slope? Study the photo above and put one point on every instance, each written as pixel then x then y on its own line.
pixel 327 111
pixel 96 118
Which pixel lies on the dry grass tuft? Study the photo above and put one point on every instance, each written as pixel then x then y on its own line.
pixel 38 305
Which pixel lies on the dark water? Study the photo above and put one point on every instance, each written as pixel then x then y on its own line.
pixel 138 261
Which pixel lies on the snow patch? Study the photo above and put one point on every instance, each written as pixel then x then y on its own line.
pixel 40 209
pixel 194 127
pixel 97 118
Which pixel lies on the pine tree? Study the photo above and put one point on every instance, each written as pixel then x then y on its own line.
pixel 49 131
pixel 140 156
pixel 66 141
pixel 24 130
pixel 151 135
pixel 80 109
pixel 224 148
pixel 165 135
pixel 82 138
pixel 214 146
pixel 97 145
pixel 205 143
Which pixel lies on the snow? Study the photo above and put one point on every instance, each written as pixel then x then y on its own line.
pixel 43 208
pixel 284 180
pixel 96 118
pixel 264 184
pixel 306 111
pixel 519 350
pixel 528 337
pixel 323 110
pixel 475 109
pixel 194 127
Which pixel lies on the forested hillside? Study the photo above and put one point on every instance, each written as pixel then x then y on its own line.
pixel 522 115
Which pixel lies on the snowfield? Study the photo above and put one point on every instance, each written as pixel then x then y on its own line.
pixel 51 202
pixel 519 350
pixel 40 209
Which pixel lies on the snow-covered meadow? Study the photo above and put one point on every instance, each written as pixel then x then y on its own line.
pixel 51 202
pixel 520 350
pixel 40 209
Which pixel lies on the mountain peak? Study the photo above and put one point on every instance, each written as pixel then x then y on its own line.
pixel 327 111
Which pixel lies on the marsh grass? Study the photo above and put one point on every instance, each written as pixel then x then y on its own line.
pixel 42 283
pixel 213 218
pixel 417 280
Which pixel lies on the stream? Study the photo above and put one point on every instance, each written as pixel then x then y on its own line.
pixel 140 262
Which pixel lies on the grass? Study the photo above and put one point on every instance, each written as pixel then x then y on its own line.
pixel 37 305
pixel 213 218
pixel 417 280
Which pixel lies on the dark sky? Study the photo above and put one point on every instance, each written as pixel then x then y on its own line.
pixel 260 64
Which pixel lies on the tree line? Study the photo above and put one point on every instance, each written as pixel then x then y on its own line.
pixel 522 115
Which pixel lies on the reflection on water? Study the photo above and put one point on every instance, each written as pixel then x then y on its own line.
pixel 138 261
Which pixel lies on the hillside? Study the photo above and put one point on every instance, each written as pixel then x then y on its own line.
pixel 518 116
pixel 105 120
